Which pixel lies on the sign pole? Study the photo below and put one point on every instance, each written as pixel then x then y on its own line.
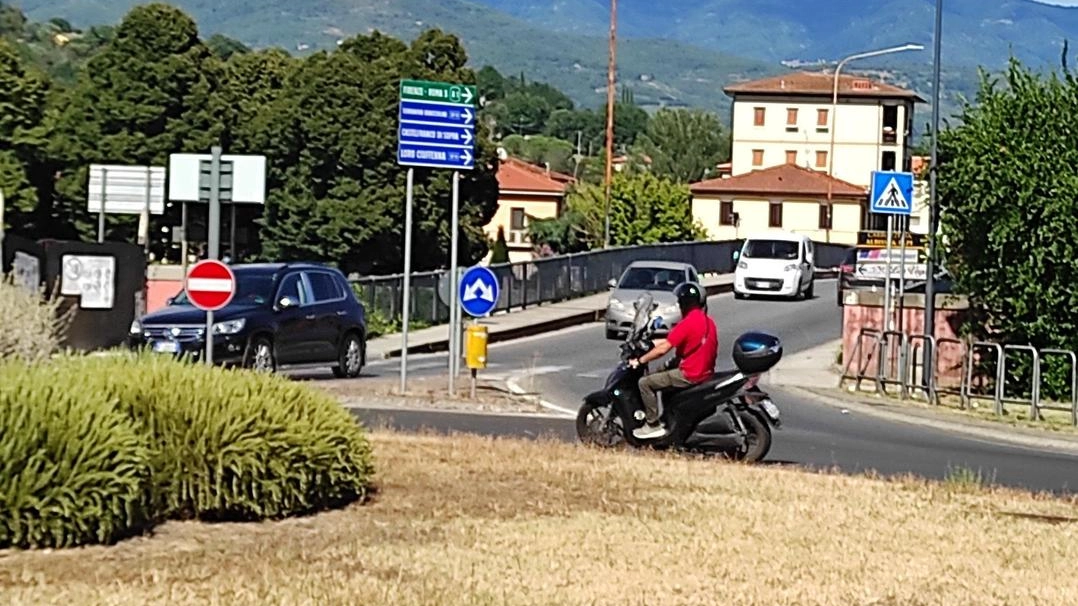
pixel 407 308
pixel 101 211
pixel 146 213
pixel 213 234
pixel 232 235
pixel 902 275
pixel 454 319
pixel 887 280
pixel 475 372
pixel 183 236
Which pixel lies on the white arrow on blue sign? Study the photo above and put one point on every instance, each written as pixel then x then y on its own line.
pixel 478 291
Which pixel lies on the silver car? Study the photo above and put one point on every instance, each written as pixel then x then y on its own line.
pixel 657 278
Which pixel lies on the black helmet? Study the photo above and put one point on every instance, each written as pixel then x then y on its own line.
pixel 689 296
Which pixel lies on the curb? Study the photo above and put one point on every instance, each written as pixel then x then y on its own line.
pixel 451 411
pixel 515 388
pixel 967 430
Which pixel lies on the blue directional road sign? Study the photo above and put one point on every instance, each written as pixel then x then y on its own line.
pixel 892 193
pixel 436 125
pixel 478 291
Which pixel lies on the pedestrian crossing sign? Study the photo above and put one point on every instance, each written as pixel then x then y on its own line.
pixel 892 193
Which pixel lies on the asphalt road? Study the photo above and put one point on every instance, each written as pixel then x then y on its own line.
pixel 567 365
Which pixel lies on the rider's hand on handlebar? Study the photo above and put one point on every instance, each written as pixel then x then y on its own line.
pixel 634 363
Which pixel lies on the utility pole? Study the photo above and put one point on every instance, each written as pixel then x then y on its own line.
pixel 610 82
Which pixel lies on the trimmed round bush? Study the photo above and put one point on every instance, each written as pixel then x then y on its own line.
pixel 73 467
pixel 231 445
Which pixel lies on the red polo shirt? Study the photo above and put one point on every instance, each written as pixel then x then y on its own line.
pixel 696 339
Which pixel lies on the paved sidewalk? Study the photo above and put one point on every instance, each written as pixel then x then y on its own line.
pixel 813 374
pixel 518 323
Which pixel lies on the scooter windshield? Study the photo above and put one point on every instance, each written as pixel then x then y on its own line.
pixel 643 313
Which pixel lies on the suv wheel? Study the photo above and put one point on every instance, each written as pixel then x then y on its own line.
pixel 350 358
pixel 260 357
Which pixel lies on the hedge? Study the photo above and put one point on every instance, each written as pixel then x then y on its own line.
pixel 214 444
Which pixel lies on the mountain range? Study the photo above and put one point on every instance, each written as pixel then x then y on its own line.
pixel 674 52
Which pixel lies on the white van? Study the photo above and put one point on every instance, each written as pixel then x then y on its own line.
pixel 775 263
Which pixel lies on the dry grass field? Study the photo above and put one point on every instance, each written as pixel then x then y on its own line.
pixel 468 520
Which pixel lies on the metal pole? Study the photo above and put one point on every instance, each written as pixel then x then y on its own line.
pixel 887 280
pixel 101 211
pixel 610 83
pixel 183 236
pixel 933 204
pixel 406 311
pixel 454 316
pixel 146 213
pixel 213 234
pixel 232 235
pixel 902 274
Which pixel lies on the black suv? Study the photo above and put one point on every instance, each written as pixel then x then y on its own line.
pixel 281 315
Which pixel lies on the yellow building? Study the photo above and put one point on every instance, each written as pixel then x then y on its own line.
pixel 786 197
pixel 525 192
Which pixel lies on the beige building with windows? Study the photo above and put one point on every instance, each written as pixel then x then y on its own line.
pixel 525 192
pixel 788 120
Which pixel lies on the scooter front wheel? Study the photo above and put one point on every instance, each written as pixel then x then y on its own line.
pixel 597 424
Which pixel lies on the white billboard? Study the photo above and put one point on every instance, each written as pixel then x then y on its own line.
pixel 126 189
pixel 248 177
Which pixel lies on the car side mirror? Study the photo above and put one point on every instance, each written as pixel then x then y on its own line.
pixel 287 302
pixel 613 283
pixel 170 301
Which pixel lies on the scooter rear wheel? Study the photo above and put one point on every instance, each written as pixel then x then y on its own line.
pixel 758 440
pixel 597 424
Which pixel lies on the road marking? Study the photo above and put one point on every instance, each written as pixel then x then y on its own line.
pixel 513 383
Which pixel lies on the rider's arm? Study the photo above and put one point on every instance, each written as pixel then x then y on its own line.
pixel 658 350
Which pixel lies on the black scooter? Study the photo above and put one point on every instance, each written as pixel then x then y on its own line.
pixel 728 415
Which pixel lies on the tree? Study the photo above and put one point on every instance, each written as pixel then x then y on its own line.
pixel 492 85
pixel 224 47
pixel 684 145
pixel 500 251
pixel 549 152
pixel 144 97
pixel 342 193
pixel 1009 207
pixel 629 121
pixel 23 138
pixel 644 209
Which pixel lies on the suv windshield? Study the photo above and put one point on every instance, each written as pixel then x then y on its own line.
pixel 652 278
pixel 252 288
pixel 771 249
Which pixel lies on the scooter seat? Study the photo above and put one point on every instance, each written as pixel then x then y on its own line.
pixel 676 395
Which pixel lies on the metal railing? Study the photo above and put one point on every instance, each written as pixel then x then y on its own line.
pixel 553 279
pixel 894 356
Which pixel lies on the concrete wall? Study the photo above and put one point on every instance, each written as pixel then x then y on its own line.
pixel 864 309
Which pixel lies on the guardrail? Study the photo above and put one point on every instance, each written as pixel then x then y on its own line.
pixel 896 354
pixel 559 278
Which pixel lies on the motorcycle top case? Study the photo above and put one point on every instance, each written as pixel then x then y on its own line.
pixel 757 352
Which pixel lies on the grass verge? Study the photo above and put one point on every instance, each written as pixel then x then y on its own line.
pixel 467 520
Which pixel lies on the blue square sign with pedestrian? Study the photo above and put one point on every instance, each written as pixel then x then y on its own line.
pixel 892 193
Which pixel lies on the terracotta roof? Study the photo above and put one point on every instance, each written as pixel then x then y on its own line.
pixel 518 175
pixel 821 83
pixel 787 179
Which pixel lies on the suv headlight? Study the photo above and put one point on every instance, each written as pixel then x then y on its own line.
pixel 791 267
pixel 136 327
pixel 229 328
pixel 742 265
pixel 617 304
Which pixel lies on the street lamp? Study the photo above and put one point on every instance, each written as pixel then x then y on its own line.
pixel 834 114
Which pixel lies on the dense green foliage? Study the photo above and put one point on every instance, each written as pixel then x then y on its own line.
pixel 644 209
pixel 96 447
pixel 1010 224
pixel 499 253
pixel 684 145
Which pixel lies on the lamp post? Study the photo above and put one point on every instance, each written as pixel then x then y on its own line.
pixel 929 368
pixel 834 112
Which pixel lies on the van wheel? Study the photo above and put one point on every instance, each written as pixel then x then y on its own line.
pixel 811 292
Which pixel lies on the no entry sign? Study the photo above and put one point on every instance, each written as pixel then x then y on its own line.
pixel 210 285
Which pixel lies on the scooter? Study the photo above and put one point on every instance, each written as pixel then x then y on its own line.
pixel 728 415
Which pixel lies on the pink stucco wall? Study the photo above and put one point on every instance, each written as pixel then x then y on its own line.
pixel 162 282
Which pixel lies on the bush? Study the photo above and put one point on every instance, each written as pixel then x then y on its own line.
pixel 31 328
pixel 214 445
pixel 73 468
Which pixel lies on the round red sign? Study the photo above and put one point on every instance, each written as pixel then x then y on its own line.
pixel 210 285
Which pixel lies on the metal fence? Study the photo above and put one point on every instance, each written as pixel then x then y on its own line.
pixel 558 278
pixel 893 358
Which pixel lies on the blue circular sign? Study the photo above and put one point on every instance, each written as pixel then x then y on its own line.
pixel 478 292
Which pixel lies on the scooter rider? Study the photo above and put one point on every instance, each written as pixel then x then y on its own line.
pixel 696 340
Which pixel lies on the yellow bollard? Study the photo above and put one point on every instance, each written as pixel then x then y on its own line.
pixel 475 350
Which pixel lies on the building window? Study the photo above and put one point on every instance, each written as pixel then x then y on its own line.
pixel 821 118
pixel 825 217
pixel 758 115
pixel 726 213
pixel 888 161
pixel 774 215
pixel 890 124
pixel 821 159
pixel 791 119
pixel 791 156
pixel 516 219
pixel 757 157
